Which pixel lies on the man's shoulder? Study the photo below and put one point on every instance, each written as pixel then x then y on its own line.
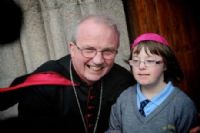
pixel 119 72
pixel 117 80
pixel 53 65
pixel 49 66
pixel 120 69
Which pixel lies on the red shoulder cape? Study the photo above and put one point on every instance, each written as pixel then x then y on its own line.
pixel 46 78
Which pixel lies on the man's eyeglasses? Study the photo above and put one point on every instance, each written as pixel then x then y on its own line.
pixel 147 63
pixel 91 52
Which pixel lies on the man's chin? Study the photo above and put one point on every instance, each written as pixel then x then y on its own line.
pixel 94 78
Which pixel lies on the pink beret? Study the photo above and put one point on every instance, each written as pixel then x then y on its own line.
pixel 149 37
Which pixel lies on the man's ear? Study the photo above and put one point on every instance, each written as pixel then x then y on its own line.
pixel 71 48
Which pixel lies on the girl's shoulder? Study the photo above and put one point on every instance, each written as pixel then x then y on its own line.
pixel 182 97
pixel 129 92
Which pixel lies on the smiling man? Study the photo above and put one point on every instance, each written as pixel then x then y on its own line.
pixel 74 93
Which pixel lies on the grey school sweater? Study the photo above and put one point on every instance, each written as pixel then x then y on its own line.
pixel 177 114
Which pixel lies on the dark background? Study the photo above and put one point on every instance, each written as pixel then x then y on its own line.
pixel 179 22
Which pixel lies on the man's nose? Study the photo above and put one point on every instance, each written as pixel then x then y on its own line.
pixel 98 58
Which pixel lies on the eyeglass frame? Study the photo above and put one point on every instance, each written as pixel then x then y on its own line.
pixel 147 62
pixel 92 49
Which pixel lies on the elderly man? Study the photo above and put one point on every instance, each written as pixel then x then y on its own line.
pixel 74 93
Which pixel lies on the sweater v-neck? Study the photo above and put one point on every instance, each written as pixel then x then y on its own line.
pixel 162 106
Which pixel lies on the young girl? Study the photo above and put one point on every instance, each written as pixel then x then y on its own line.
pixel 154 104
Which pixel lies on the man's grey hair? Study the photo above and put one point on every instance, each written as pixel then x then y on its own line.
pixel 101 19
